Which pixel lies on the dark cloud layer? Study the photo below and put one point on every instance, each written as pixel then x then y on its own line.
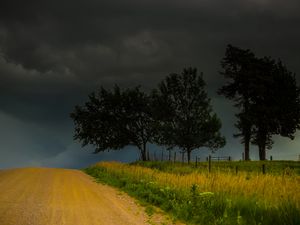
pixel 53 53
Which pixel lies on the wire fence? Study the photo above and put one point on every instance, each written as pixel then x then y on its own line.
pixel 226 163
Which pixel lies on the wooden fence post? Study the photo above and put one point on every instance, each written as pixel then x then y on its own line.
pixel 174 157
pixel 236 170
pixel 162 155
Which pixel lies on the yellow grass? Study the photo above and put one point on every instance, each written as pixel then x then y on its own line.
pixel 269 189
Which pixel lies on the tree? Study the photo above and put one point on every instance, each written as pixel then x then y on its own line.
pixel 275 104
pixel 185 117
pixel 239 67
pixel 260 87
pixel 161 114
pixel 111 120
pixel 140 125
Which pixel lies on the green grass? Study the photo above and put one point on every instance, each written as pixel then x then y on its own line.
pixel 195 207
pixel 271 167
pixel 149 210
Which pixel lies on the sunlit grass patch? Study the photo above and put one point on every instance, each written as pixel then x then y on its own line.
pixel 209 198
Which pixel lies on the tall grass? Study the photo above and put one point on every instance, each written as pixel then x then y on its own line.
pixel 216 198
pixel 272 167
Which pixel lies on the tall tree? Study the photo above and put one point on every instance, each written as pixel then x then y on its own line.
pixel 114 119
pixel 275 104
pixel 186 117
pixel 260 87
pixel 238 67
pixel 139 121
pixel 163 116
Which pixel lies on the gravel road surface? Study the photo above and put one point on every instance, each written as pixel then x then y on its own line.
pixel 47 196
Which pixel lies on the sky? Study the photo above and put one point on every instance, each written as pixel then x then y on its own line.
pixel 54 53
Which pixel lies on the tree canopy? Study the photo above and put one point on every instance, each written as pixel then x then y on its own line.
pixel 267 95
pixel 275 107
pixel 185 117
pixel 110 120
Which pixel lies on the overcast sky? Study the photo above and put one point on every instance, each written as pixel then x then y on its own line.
pixel 53 53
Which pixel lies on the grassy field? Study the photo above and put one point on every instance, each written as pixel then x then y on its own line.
pixel 271 167
pixel 193 195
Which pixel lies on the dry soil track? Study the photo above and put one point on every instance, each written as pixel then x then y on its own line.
pixel 44 196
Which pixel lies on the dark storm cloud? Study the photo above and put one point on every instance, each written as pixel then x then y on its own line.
pixel 53 53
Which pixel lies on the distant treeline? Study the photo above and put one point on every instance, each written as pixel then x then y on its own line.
pixel 178 113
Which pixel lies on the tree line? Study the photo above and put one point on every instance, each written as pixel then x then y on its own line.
pixel 178 113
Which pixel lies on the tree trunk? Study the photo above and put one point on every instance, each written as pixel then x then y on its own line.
pixel 143 151
pixel 247 147
pixel 262 152
pixel 262 146
pixel 247 131
pixel 143 155
pixel 188 156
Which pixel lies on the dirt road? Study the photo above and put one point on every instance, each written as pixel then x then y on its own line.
pixel 43 196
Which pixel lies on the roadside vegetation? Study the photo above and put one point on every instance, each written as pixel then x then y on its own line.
pixel 222 197
pixel 235 167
